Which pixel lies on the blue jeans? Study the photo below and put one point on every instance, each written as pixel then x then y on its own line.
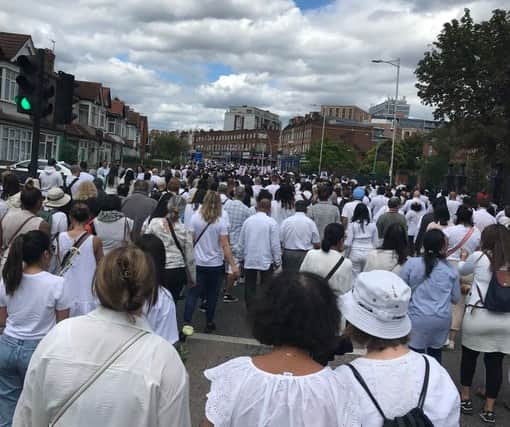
pixel 208 279
pixel 14 358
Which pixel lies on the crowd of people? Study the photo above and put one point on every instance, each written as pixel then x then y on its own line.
pixel 94 265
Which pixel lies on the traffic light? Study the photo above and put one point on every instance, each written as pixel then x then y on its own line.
pixel 67 96
pixel 35 89
pixel 28 80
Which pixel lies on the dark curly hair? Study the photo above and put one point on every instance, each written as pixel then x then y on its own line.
pixel 298 310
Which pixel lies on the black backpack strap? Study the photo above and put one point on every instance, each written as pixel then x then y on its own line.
pixel 334 269
pixel 363 384
pixel 425 387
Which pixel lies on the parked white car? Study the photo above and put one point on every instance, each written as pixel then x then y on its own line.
pixel 21 168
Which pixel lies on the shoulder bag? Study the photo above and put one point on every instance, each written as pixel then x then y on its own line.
pixel 6 246
pixel 201 234
pixel 178 244
pixel 109 362
pixel 66 262
pixel 461 243
pixel 334 269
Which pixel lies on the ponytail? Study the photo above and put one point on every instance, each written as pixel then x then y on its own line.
pixel 333 233
pixel 13 268
pixel 433 244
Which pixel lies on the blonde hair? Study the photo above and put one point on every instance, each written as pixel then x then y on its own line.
pixel 211 207
pixel 86 190
pixel 125 279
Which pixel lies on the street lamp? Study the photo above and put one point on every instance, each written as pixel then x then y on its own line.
pixel 322 137
pixel 395 63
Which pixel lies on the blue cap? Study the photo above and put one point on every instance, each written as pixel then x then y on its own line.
pixel 358 193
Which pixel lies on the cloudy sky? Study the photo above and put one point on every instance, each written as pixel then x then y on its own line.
pixel 183 62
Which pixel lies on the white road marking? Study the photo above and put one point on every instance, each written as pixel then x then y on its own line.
pixel 247 341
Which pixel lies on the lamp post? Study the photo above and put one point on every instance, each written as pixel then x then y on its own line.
pixel 395 63
pixel 322 138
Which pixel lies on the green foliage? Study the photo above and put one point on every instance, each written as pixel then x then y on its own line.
pixel 466 77
pixel 168 147
pixel 337 157
pixel 433 171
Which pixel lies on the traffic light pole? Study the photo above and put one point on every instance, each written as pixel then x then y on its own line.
pixel 36 118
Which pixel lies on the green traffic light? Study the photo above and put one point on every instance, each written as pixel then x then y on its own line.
pixel 24 103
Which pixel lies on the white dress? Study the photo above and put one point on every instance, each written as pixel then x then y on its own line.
pixel 78 279
pixel 360 241
pixel 396 385
pixel 243 395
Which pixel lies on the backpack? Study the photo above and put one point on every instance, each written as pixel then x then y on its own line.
pixel 498 295
pixel 67 188
pixel 415 417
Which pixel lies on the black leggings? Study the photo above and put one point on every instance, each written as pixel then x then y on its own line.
pixel 493 370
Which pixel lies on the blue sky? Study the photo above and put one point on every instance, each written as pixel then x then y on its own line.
pixel 311 4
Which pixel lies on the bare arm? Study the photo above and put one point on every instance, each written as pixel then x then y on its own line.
pixel 45 227
pixel 207 423
pixel 62 314
pixel 227 252
pixel 3 318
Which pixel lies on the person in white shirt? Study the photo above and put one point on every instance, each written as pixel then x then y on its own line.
pixel 160 311
pixel 393 253
pixel 112 180
pixel 50 178
pixel 362 238
pixel 84 175
pixel 289 386
pixel 481 217
pixel 211 250
pixel 145 386
pixel 329 261
pixel 57 203
pixel 260 249
pixel 298 235
pixel 378 201
pixel 103 171
pixel 348 210
pixel 283 205
pixel 453 204
pixel 413 219
pixel 416 199
pixel 31 302
pixel 376 310
pixel 73 181
pixel 274 186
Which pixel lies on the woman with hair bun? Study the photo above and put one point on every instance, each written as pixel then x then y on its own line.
pixel 108 367
pixel 435 286
pixel 31 302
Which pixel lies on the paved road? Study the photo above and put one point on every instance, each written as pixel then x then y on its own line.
pixel 233 340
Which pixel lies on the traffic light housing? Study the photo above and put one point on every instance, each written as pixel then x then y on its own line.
pixel 28 81
pixel 36 88
pixel 66 97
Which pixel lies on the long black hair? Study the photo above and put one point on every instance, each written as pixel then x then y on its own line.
pixel 433 245
pixel 333 233
pixel 395 239
pixel 27 248
pixel 154 248
pixel 285 195
pixel 112 174
pixel 361 215
pixel 11 186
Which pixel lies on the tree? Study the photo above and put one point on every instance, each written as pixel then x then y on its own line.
pixel 337 157
pixel 466 77
pixel 168 147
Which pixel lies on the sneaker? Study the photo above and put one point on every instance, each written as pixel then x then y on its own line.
pixel 240 281
pixel 466 407
pixel 203 307
pixel 210 327
pixel 230 298
pixel 488 417
pixel 187 330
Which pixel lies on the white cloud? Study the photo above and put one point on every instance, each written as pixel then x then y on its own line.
pixel 273 55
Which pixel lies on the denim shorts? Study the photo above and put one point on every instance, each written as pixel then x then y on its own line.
pixel 15 356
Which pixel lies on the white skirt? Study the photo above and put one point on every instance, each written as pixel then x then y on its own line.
pixel 486 331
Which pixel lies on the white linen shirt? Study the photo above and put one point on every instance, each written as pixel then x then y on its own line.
pixel 483 219
pixel 299 232
pixel 259 242
pixel 396 385
pixel 146 387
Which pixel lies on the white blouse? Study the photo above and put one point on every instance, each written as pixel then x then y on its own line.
pixel 243 395
pixel 162 317
pixel 396 385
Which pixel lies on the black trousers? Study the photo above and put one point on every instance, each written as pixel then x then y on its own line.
pixel 251 286
pixel 174 279
pixel 493 370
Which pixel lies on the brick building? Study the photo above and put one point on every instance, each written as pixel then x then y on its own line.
pixel 345 112
pixel 254 146
pixel 302 132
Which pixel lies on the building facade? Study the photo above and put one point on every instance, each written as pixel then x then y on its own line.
pixel 345 112
pixel 245 117
pixel 102 131
pixel 253 146
pixel 385 109
pixel 301 132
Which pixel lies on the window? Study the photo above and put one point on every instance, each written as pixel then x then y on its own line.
pixel 83 115
pixel 102 119
pixel 10 87
pixel 95 116
pixel 47 146
pixel 15 143
pixel 111 125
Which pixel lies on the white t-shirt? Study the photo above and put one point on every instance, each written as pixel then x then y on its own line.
pixel 348 210
pixel 59 223
pixel 208 252
pixel 483 219
pixel 162 317
pixel 243 395
pixel 31 309
pixel 299 232
pixel 455 234
pixel 396 385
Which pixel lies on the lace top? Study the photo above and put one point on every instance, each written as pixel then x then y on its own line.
pixel 243 395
